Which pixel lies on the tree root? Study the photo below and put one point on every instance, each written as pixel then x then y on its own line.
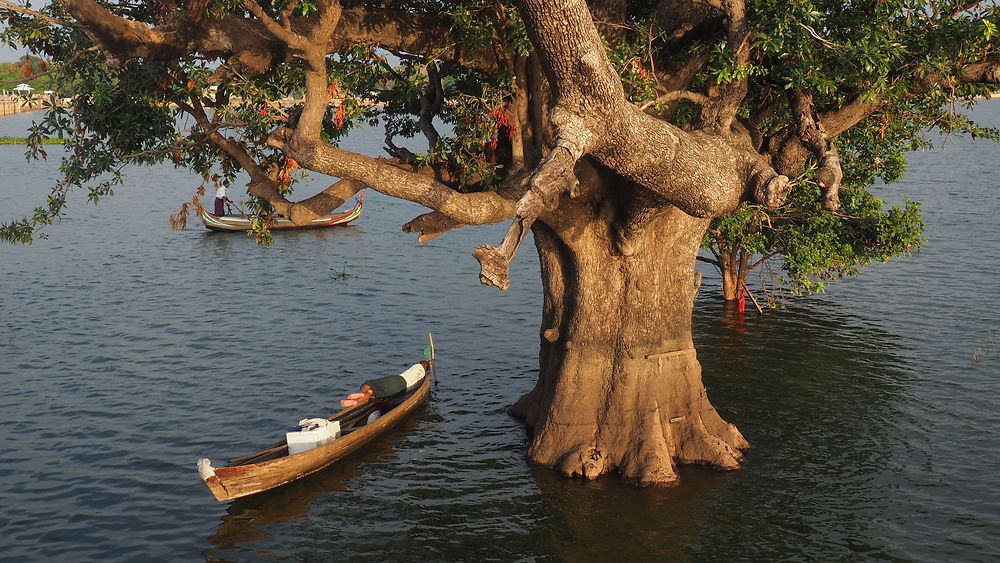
pixel 587 461
pixel 647 456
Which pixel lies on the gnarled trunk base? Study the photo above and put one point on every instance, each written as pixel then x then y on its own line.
pixel 619 387
pixel 654 417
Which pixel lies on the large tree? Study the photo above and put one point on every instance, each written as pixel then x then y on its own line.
pixel 614 132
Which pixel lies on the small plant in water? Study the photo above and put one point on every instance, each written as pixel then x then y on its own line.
pixel 985 350
pixel 10 328
pixel 343 274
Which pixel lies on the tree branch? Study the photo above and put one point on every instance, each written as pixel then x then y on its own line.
pixel 695 97
pixel 726 97
pixel 790 155
pixel 762 260
pixel 710 261
pixel 250 46
pixel 278 30
pixel 286 15
pixel 551 179
pixel 843 118
pixel 431 225
pixel 430 104
pixel 469 209
pixel 812 135
pixel 28 12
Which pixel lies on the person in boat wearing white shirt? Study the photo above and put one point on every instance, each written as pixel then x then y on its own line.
pixel 221 200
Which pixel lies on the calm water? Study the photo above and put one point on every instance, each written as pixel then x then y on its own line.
pixel 128 351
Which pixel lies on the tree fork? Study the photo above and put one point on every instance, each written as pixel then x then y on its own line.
pixel 814 137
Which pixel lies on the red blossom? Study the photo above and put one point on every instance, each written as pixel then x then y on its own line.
pixel 338 118
pixel 285 173
pixel 501 118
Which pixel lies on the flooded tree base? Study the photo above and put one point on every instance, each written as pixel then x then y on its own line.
pixel 651 421
pixel 619 388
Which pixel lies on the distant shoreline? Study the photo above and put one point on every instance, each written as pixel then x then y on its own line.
pixel 24 141
pixel 3 115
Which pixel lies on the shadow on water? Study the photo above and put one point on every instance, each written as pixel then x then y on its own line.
pixel 819 409
pixel 818 412
pixel 659 524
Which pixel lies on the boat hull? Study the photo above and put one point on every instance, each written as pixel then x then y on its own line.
pixel 228 483
pixel 230 223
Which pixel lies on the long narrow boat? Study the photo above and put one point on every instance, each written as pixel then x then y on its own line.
pixel 273 466
pixel 242 222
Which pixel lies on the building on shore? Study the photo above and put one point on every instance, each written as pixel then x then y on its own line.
pixel 23 99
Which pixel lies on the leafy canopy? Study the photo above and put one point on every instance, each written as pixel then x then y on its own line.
pixel 880 73
pixel 147 112
pixel 891 55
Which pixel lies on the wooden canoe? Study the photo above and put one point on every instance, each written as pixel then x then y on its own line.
pixel 272 466
pixel 242 222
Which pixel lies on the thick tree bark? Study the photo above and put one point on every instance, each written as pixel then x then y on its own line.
pixel 619 387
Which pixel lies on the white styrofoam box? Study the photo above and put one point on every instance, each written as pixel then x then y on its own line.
pixel 321 432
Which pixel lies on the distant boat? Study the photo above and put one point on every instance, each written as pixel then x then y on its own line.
pixel 273 466
pixel 242 222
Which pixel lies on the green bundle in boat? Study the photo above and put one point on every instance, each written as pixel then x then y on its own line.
pixel 384 388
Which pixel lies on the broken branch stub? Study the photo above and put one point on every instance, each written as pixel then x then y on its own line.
pixel 553 176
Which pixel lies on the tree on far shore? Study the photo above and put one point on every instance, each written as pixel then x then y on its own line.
pixel 615 132
pixel 30 70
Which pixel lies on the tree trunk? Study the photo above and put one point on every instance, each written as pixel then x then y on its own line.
pixel 734 265
pixel 619 385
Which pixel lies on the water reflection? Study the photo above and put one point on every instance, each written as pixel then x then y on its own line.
pixel 219 247
pixel 605 520
pixel 732 333
pixel 820 409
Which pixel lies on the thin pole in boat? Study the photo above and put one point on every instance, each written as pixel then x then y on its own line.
pixel 430 337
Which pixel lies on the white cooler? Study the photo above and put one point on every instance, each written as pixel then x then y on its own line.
pixel 313 432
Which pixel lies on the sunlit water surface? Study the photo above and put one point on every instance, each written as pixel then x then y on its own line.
pixel 128 351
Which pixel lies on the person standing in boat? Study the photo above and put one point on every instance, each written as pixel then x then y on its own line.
pixel 221 200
